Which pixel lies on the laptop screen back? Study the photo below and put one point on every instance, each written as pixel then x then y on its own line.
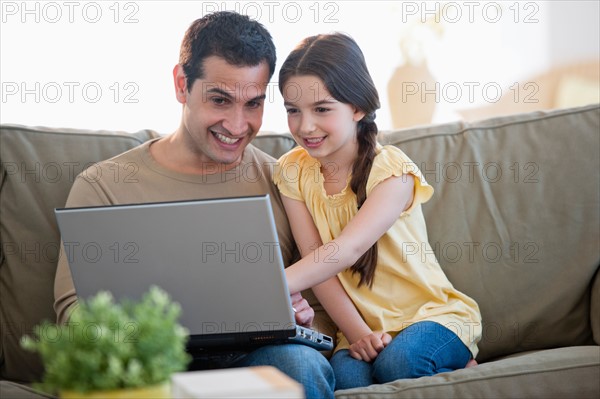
pixel 219 258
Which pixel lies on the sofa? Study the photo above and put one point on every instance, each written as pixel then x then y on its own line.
pixel 514 222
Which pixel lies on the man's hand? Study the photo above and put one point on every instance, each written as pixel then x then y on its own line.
pixel 368 347
pixel 303 312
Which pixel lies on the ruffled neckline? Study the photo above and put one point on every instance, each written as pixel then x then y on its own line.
pixel 337 198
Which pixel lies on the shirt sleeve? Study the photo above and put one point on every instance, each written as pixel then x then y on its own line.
pixel 287 174
pixel 83 193
pixel 391 161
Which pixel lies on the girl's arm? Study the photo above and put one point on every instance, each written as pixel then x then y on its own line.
pixel 330 293
pixel 381 209
pixel 364 343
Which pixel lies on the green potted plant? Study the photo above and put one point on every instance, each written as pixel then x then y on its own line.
pixel 108 349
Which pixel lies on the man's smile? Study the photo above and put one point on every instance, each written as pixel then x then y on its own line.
pixel 224 139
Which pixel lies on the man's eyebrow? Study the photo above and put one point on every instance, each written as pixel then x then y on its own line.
pixel 219 91
pixel 257 98
pixel 216 90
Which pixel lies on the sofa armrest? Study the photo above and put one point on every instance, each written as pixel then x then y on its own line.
pixel 595 307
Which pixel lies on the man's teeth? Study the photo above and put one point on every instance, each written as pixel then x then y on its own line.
pixel 225 139
pixel 314 140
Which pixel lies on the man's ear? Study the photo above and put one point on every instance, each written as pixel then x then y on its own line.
pixel 180 81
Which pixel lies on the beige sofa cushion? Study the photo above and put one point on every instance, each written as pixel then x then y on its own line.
pixel 515 221
pixel 274 144
pixel 539 374
pixel 595 308
pixel 38 166
pixel 13 390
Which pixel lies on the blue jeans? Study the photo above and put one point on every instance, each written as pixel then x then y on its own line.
pixel 422 349
pixel 302 363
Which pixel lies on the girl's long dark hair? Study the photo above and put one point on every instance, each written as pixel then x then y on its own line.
pixel 337 60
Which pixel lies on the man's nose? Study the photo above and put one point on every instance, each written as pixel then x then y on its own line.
pixel 236 122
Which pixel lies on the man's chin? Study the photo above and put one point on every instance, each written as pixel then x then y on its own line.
pixel 228 161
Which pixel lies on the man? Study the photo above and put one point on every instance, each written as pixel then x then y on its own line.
pixel 225 64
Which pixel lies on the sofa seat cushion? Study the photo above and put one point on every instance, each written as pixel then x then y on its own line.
pixel 539 374
pixel 17 391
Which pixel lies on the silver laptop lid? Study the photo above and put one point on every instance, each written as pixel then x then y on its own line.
pixel 219 258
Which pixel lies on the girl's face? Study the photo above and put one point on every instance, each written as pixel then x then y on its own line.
pixel 325 127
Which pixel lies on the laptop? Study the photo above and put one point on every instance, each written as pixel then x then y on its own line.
pixel 218 258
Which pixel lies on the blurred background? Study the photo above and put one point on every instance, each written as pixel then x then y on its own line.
pixel 107 64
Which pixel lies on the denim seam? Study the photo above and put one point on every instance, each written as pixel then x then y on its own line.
pixel 452 339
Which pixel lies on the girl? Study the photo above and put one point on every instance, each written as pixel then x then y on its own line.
pixel 355 211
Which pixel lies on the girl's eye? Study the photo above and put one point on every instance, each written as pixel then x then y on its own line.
pixel 291 111
pixel 321 109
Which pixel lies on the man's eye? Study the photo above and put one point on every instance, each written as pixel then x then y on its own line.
pixel 254 104
pixel 291 110
pixel 218 100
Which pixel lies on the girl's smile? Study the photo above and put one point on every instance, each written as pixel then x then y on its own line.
pixel 313 142
pixel 325 127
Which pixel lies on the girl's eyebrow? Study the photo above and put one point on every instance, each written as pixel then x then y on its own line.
pixel 317 103
pixel 324 102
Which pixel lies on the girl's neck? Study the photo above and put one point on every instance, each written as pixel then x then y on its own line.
pixel 342 159
pixel 335 174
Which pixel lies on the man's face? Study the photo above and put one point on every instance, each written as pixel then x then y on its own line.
pixel 223 111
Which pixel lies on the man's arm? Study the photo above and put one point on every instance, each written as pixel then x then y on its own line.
pixel 65 299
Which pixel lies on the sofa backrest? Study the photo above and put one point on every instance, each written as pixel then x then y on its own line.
pixel 514 220
pixel 37 169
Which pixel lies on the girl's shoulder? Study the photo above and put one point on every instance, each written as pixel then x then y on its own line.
pixel 392 161
pixel 291 168
pixel 295 155
pixel 390 157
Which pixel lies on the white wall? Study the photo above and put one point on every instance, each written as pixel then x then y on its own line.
pixel 107 64
pixel 574 32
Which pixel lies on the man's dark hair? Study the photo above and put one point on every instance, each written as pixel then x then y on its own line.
pixel 234 37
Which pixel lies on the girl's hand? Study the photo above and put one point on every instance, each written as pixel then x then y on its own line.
pixel 368 347
pixel 303 312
